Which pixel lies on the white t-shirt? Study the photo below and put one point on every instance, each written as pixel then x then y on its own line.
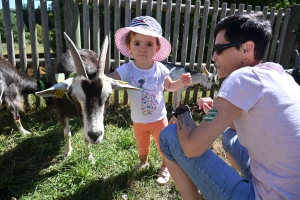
pixel 148 104
pixel 268 126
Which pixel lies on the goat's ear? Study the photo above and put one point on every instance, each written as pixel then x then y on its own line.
pixel 121 85
pixel 58 90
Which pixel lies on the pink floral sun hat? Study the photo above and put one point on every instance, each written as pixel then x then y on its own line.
pixel 145 25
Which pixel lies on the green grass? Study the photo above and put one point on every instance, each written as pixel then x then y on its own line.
pixel 32 166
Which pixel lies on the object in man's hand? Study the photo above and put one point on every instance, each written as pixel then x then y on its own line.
pixel 181 109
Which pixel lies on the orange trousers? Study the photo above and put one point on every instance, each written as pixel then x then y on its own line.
pixel 142 134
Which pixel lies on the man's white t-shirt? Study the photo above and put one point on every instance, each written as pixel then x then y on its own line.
pixel 268 126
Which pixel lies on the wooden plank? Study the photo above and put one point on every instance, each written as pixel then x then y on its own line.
pixel 195 36
pixel 86 24
pixel 241 8
pixel 211 40
pixel 176 31
pixel 44 15
pixel 33 39
pixel 72 21
pixel 8 32
pixel 193 44
pixel 167 35
pixel 201 44
pixel 184 41
pixel 275 35
pixel 149 7
pixel 211 35
pixel 282 35
pixel 159 11
pixel 232 9
pixel 1 52
pixel 223 12
pixel 96 27
pixel 107 32
pixel 127 22
pixel 290 36
pixel 249 9
pixel 117 25
pixel 21 35
pixel 138 8
pixel 185 37
pixel 271 19
pixel 58 29
pixel 127 18
pixel 168 22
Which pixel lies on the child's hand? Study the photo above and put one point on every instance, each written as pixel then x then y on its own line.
pixel 185 79
pixel 173 120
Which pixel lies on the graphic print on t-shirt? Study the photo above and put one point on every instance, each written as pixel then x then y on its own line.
pixel 148 101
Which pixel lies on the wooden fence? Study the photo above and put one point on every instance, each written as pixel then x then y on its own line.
pixel 188 27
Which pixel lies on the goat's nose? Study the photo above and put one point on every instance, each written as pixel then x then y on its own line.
pixel 95 135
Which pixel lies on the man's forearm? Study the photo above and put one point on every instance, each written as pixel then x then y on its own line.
pixel 185 127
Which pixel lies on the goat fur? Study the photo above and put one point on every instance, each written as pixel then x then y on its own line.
pixel 206 80
pixel 84 95
pixel 13 84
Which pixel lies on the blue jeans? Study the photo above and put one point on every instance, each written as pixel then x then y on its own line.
pixel 211 175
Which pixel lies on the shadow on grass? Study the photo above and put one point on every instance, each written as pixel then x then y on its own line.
pixel 25 156
pixel 112 187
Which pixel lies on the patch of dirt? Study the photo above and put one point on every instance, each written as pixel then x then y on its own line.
pixel 218 149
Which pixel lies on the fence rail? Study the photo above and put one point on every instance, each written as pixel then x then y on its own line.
pixel 188 27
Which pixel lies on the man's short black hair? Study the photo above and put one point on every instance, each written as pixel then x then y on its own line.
pixel 247 27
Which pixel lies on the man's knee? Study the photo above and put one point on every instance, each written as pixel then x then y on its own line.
pixel 228 138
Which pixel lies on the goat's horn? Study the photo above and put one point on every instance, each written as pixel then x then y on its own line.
pixel 80 70
pixel 205 69
pixel 102 57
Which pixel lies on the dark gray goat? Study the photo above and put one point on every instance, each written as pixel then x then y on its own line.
pixel 14 84
pixel 206 79
pixel 83 95
pixel 296 70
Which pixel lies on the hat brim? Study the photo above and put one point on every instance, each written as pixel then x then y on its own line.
pixel 120 41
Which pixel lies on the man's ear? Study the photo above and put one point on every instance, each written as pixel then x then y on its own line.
pixel 248 48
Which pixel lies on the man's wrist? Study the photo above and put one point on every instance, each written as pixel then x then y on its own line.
pixel 180 110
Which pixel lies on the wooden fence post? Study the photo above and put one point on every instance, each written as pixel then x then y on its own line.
pixel 290 36
pixel 8 32
pixel 72 21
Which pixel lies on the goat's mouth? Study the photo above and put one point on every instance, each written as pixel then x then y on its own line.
pixel 94 137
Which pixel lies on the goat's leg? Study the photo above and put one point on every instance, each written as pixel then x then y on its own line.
pixel 88 149
pixel 67 135
pixel 174 102
pixel 16 116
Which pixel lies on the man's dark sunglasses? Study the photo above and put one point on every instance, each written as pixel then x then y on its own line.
pixel 218 48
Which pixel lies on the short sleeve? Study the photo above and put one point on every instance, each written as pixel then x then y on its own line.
pixel 242 88
pixel 164 70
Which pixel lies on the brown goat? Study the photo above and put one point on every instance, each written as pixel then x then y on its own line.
pixel 83 95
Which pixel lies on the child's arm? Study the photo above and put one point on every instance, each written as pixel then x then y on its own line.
pixel 115 75
pixel 172 86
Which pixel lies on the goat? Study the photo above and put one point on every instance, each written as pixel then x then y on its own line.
pixel 14 84
pixel 88 91
pixel 206 80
